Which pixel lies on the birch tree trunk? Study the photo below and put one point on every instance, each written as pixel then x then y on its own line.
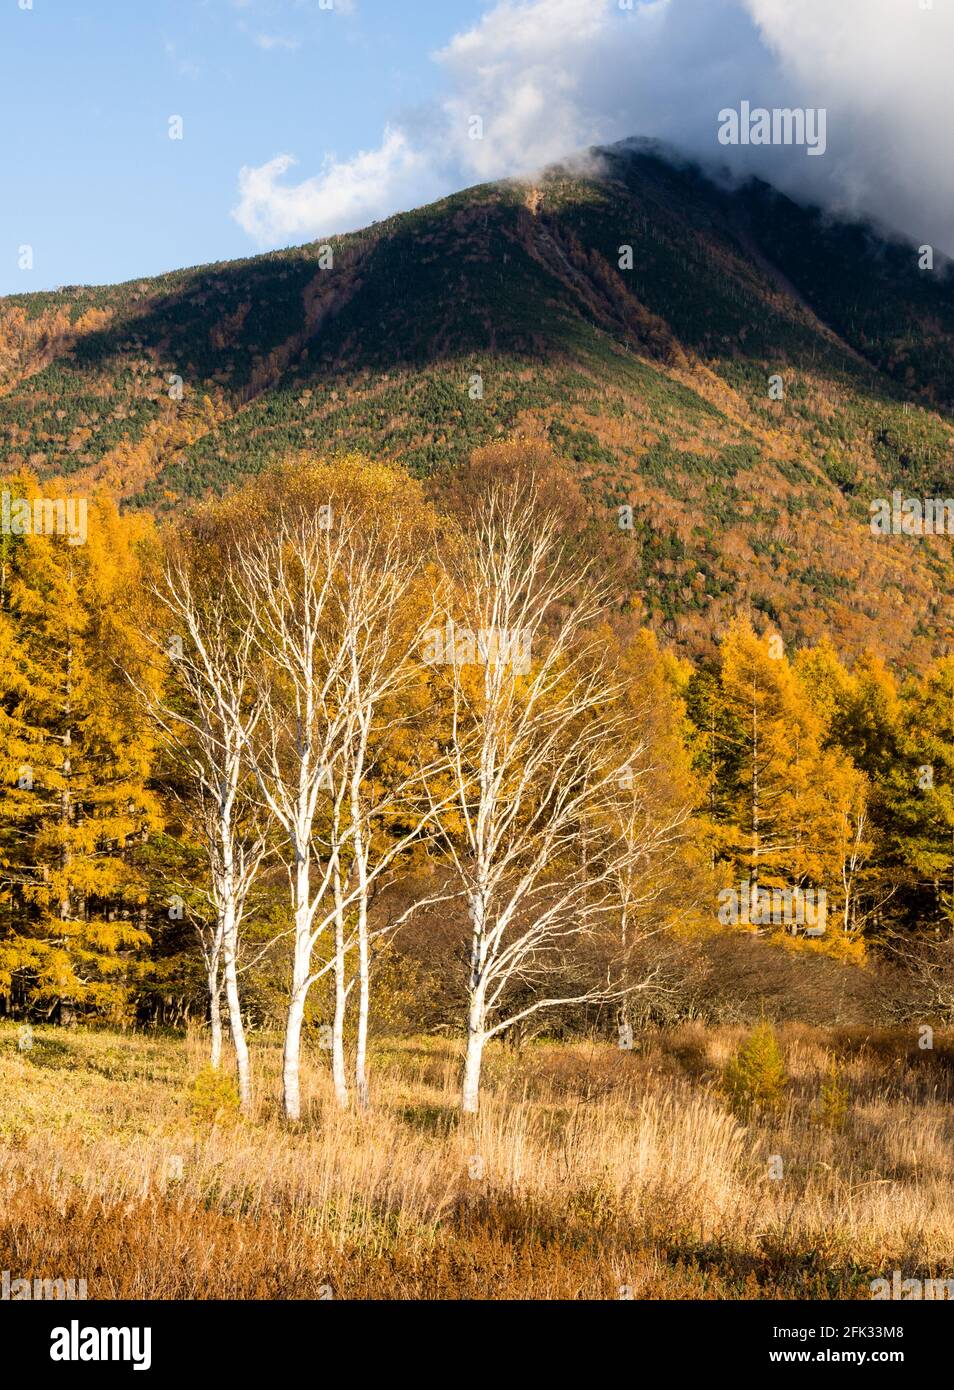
pixel 229 918
pixel 236 1026
pixel 215 1018
pixel 476 1038
pixel 338 1063
pixel 364 993
pixel 291 1054
pixel 364 954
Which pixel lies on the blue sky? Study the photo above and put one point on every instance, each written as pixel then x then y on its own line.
pixel 301 121
pixel 89 176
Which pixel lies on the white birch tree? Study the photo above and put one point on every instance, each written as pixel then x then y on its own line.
pixel 324 597
pixel 209 731
pixel 385 618
pixel 538 739
pixel 284 582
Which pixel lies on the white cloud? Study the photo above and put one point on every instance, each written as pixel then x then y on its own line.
pixel 882 67
pixel 549 77
pixel 345 195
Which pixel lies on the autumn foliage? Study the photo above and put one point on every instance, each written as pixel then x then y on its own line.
pixel 774 769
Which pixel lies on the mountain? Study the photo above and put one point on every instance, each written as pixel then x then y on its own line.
pixel 652 380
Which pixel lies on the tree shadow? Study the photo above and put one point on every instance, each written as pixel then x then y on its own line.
pixel 439 1120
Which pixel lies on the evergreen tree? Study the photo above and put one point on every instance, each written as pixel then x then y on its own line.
pixel 75 797
pixel 919 791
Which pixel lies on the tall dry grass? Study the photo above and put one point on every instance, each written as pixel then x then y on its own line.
pixel 589 1172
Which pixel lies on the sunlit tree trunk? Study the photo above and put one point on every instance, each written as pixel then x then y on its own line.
pixel 364 948
pixel 236 1024
pixel 470 1094
pixel 215 1018
pixel 338 1060
pixel 301 969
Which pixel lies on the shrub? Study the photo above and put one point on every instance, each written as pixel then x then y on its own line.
pixel 755 1079
pixel 834 1098
pixel 213 1096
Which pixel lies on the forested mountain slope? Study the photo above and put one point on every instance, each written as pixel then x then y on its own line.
pixel 631 319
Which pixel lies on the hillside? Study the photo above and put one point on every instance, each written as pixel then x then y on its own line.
pixel 652 380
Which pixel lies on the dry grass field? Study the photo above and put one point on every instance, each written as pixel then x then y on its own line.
pixel 590 1172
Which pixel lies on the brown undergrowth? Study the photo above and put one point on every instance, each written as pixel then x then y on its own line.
pixel 589 1173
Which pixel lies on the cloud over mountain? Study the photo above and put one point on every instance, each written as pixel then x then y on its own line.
pixel 537 79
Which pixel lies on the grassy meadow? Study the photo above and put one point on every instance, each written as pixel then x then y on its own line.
pixel 589 1173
